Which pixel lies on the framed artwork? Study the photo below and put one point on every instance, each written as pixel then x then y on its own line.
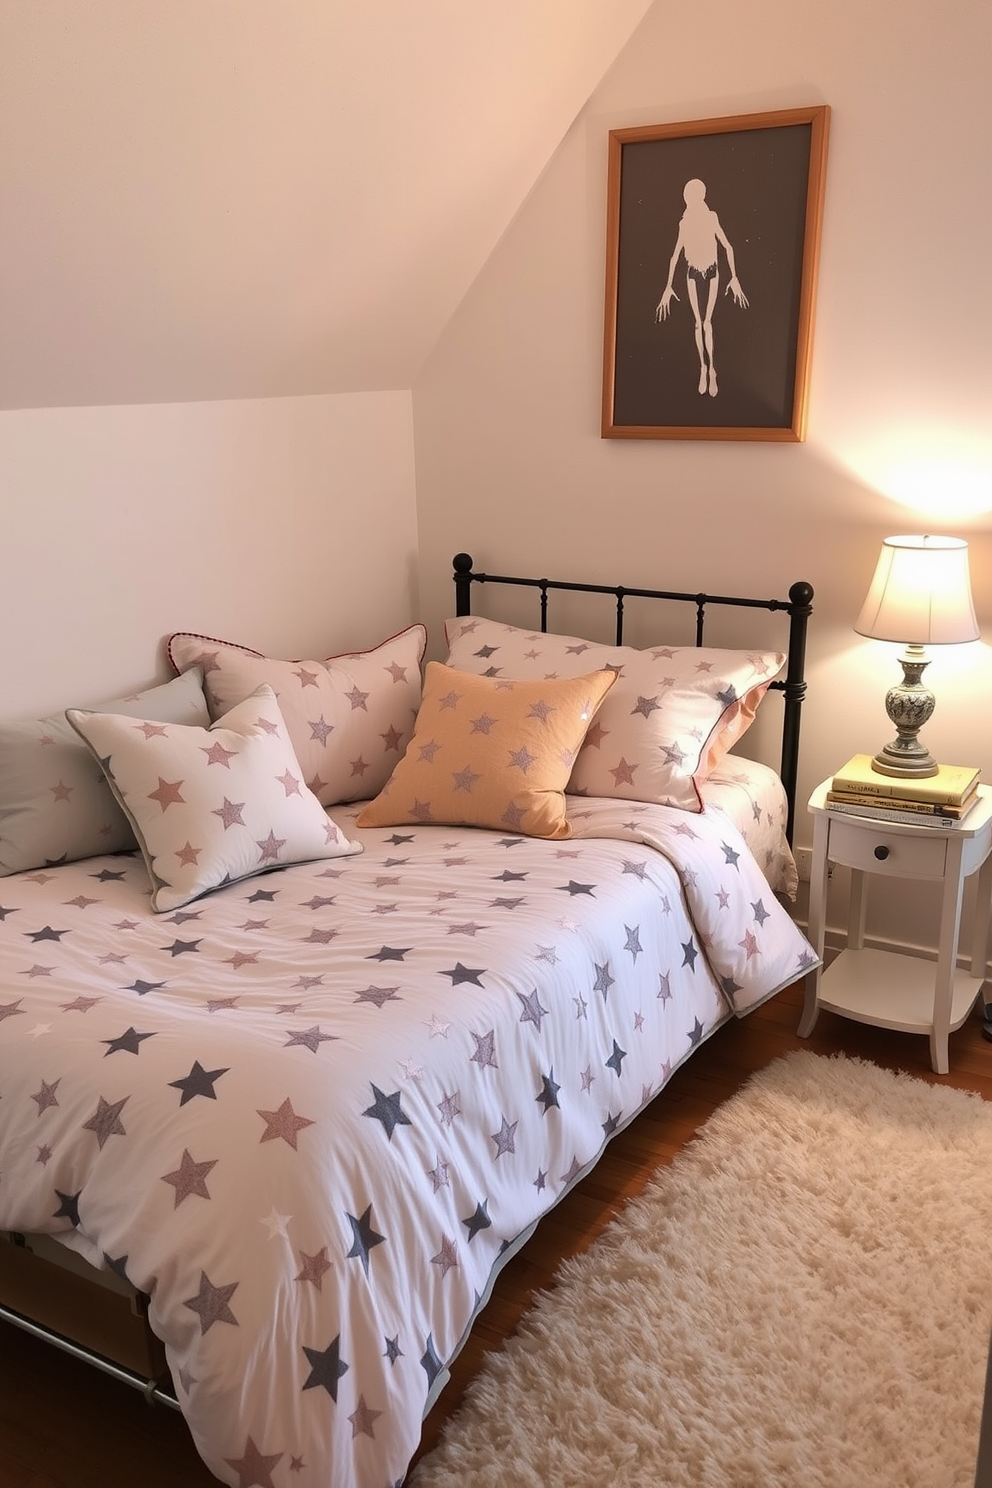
pixel 713 237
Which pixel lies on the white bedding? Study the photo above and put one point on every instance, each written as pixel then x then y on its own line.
pixel 308 1113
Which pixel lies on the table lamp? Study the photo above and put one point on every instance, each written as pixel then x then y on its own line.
pixel 920 596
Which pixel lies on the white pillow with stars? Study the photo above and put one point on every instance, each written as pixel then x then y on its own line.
pixel 350 717
pixel 671 718
pixel 211 806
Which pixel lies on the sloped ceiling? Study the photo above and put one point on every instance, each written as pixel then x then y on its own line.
pixel 247 198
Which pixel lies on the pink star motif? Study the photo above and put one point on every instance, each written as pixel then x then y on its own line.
pixel 230 813
pixel 577 650
pixel 81 1004
pixel 267 725
pixel 61 792
pixel 289 783
pixel 269 848
pixel 704 666
pixel 596 734
pixel 723 898
pixel 254 1467
pixel 749 944
pixel 359 766
pixel 169 793
pixel 541 711
pixel 357 699
pixel 218 755
pixel 307 679
pixel 391 739
pixel 320 730
pixel 207 662
pixel 283 1123
pixel 151 730
pixel 513 816
pixel 188 854
pixel 663 651
pixel 316 785
pixel 314 1267
pixel 397 672
pixel 623 773
pixel 446 1257
pixel 243 958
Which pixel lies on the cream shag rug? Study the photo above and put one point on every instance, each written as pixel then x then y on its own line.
pixel 804 1298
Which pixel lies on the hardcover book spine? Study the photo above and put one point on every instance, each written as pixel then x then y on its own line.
pixel 893 814
pixel 895 803
pixel 916 793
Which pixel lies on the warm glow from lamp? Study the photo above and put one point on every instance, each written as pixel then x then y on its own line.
pixel 921 596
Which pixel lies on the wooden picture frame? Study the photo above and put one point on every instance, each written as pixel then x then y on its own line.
pixel 713 240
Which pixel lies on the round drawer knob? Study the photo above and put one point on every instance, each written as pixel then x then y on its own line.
pixel 881 852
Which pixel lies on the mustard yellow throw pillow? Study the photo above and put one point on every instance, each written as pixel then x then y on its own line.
pixel 487 752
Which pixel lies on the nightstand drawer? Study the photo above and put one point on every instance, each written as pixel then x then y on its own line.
pixel 860 846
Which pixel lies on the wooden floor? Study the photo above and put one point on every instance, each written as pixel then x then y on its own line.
pixel 64 1425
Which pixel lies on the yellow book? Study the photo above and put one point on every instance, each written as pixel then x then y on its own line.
pixel 951 785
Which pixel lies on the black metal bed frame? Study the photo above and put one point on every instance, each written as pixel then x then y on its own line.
pixel 798 607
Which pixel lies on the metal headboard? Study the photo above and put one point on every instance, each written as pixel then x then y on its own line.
pixel 798 607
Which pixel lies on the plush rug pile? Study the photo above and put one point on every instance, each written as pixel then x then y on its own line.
pixel 803 1300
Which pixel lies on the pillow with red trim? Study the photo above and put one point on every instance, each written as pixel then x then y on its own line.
pixel 349 717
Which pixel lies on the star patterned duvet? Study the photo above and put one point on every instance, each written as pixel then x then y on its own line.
pixel 310 1113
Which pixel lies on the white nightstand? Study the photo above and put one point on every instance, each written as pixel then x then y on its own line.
pixel 886 987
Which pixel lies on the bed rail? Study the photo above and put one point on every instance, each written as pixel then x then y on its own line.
pixel 792 684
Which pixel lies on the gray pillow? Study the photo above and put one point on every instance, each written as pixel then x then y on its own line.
pixel 55 803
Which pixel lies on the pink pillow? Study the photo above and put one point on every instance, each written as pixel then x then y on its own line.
pixel 349 717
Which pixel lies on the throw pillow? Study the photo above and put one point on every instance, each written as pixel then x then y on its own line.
pixel 490 753
pixel 55 803
pixel 349 717
pixel 210 806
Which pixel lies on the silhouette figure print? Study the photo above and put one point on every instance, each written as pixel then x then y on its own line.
pixel 699 234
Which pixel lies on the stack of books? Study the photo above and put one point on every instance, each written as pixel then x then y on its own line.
pixel 936 801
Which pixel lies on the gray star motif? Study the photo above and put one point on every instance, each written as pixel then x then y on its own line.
pixel 533 1012
pixel 308 1038
pixel 505 1137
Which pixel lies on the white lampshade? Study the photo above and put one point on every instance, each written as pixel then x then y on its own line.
pixel 921 593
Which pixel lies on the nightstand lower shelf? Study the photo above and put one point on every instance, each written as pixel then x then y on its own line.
pixel 892 990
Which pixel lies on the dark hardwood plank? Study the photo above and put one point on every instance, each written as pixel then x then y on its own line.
pixel 65 1425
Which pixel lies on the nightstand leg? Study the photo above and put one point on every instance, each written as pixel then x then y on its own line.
pixel 857 910
pixel 947 955
pixel 815 929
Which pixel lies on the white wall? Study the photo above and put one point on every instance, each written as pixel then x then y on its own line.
pixel 287 525
pixel 510 464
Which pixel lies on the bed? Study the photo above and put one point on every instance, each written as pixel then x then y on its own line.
pixel 304 1100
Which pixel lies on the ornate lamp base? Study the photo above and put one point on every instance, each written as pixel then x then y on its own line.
pixel 909 704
